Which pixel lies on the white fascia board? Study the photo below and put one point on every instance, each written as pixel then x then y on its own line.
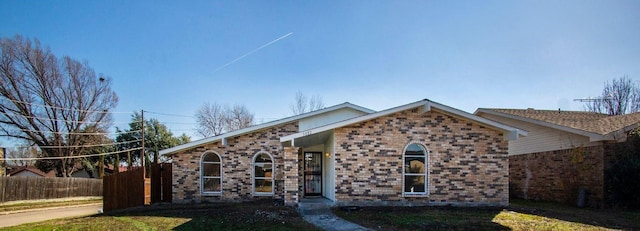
pixel 351 121
pixel 189 145
pixel 513 133
pixel 359 108
pixel 425 106
pixel 617 134
pixel 262 126
pixel 592 136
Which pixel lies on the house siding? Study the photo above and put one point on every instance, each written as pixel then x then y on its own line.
pixel 237 157
pixel 467 162
pixel 540 138
pixel 329 118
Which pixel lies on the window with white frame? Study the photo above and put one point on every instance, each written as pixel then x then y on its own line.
pixel 415 170
pixel 211 173
pixel 263 174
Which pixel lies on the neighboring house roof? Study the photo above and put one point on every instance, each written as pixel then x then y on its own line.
pixel 29 170
pixel 424 105
pixel 596 126
pixel 223 137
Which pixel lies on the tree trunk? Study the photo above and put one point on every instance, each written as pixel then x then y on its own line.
pixel 101 166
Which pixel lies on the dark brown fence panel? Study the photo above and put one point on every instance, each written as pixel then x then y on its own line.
pixel 167 187
pixel 36 188
pixel 124 190
pixel 161 183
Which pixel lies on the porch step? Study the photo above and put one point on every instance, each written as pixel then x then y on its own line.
pixel 314 205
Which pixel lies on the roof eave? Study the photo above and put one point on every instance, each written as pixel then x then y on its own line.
pixel 223 137
pixel 592 136
pixel 424 106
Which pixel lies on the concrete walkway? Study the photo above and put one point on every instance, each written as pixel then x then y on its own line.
pixel 317 211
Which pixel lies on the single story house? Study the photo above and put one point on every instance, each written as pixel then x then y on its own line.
pixel 564 153
pixel 29 171
pixel 421 153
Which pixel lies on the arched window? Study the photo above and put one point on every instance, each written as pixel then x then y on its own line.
pixel 211 173
pixel 415 170
pixel 262 174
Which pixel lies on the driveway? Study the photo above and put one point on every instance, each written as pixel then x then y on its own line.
pixel 37 215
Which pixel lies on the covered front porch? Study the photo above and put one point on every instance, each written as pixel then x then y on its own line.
pixel 309 167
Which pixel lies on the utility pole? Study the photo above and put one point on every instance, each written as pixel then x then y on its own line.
pixel 142 151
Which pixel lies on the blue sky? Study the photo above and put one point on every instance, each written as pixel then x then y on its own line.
pixel 163 55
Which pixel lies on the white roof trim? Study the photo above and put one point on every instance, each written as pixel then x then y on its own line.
pixel 592 136
pixel 263 126
pixel 426 105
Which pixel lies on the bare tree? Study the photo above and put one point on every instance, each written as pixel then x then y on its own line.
pixel 211 119
pixel 15 153
pixel 237 117
pixel 303 104
pixel 619 97
pixel 50 101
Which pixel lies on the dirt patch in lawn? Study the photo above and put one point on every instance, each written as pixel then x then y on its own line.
pixel 258 215
pixel 521 215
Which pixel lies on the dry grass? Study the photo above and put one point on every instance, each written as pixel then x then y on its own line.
pixel 23 205
pixel 521 215
pixel 261 215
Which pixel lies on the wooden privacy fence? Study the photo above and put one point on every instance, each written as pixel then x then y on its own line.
pixel 123 190
pixel 35 188
pixel 161 183
pixel 131 189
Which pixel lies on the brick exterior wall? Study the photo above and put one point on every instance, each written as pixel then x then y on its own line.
pixel 237 157
pixel 292 176
pixel 558 175
pixel 467 163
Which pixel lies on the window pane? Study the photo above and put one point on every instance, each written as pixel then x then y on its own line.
pixel 414 184
pixel 211 157
pixel 415 149
pixel 265 185
pixel 210 169
pixel 414 165
pixel 263 158
pixel 263 170
pixel 211 185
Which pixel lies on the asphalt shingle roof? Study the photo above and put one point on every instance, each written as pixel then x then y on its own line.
pixel 587 121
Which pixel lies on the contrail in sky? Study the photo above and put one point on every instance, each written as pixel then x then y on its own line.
pixel 253 51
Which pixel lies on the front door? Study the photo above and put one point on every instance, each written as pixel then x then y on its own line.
pixel 312 173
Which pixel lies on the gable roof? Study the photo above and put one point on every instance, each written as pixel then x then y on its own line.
pixel 596 126
pixel 425 106
pixel 32 169
pixel 223 137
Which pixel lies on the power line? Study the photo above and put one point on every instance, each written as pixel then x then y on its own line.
pixel 63 108
pixel 183 123
pixel 63 120
pixel 71 157
pixel 81 146
pixel 83 133
pixel 167 114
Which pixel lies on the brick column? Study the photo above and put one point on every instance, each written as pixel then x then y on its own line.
pixel 291 193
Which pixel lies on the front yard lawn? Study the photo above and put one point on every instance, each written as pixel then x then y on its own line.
pixel 520 215
pixel 271 215
pixel 261 215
